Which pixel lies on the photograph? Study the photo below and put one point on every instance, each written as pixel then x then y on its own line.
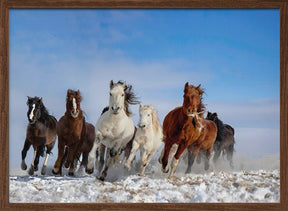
pixel 144 105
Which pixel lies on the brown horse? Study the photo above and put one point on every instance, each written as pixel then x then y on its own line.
pixel 225 139
pixel 204 143
pixel 74 134
pixel 41 132
pixel 181 126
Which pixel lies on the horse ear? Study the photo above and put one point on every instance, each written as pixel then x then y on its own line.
pixel 199 89
pixel 140 105
pixel 111 84
pixel 40 101
pixel 186 86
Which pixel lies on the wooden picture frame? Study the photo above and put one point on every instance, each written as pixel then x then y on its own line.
pixel 4 102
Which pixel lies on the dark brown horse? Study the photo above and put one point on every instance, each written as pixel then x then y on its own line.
pixel 74 135
pixel 225 139
pixel 181 126
pixel 41 132
pixel 204 143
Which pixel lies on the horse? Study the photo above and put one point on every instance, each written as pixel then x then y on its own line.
pixel 114 128
pixel 204 143
pixel 148 138
pixel 74 135
pixel 225 139
pixel 41 133
pixel 181 127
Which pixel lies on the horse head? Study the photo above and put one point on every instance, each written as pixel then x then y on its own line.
pixel 212 116
pixel 192 101
pixel 121 95
pixel 35 105
pixel 117 97
pixel 146 116
pixel 73 100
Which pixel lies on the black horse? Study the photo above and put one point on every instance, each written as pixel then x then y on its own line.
pixel 225 139
pixel 41 132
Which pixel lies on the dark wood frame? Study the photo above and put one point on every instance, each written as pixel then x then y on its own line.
pixel 5 5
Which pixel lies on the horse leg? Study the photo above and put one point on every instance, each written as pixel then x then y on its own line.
pixel 230 151
pixel 175 159
pixel 132 154
pixel 198 159
pixel 217 150
pixel 73 157
pixel 190 161
pixel 127 151
pixel 145 163
pixel 34 165
pixel 101 157
pixel 48 151
pixel 208 154
pixel 90 165
pixel 113 154
pixel 57 169
pixel 26 147
pixel 31 170
pixel 165 157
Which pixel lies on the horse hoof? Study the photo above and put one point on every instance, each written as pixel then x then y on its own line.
pixel 56 173
pixel 23 165
pixel 188 171
pixel 166 170
pixel 102 178
pixel 206 168
pixel 31 171
pixel 89 171
pixel 71 174
pixel 43 170
pixel 35 168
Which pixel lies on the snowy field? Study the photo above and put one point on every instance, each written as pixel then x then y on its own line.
pixel 250 181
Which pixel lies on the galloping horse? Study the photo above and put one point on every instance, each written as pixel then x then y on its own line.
pixel 225 139
pixel 148 137
pixel 114 128
pixel 74 134
pixel 181 126
pixel 204 143
pixel 41 132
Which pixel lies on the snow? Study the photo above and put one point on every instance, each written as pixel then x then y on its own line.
pixel 250 181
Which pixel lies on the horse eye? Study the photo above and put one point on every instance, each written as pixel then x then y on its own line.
pixel 148 114
pixel 110 94
pixel 122 95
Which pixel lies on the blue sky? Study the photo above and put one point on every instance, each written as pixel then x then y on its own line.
pixel 234 54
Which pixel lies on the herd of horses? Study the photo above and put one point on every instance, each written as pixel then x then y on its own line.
pixel 114 133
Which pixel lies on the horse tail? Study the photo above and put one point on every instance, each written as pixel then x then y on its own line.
pixel 229 127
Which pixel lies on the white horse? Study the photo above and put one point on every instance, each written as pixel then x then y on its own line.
pixel 148 138
pixel 114 128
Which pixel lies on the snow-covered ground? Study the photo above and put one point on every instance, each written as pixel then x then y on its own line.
pixel 250 181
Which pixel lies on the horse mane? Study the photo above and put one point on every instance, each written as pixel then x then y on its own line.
pixel 220 126
pixel 155 120
pixel 48 120
pixel 130 97
pixel 201 106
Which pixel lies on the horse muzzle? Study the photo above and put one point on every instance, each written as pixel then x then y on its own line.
pixel 141 126
pixel 75 114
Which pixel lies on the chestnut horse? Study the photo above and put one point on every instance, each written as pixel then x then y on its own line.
pixel 74 135
pixel 204 143
pixel 41 132
pixel 181 126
